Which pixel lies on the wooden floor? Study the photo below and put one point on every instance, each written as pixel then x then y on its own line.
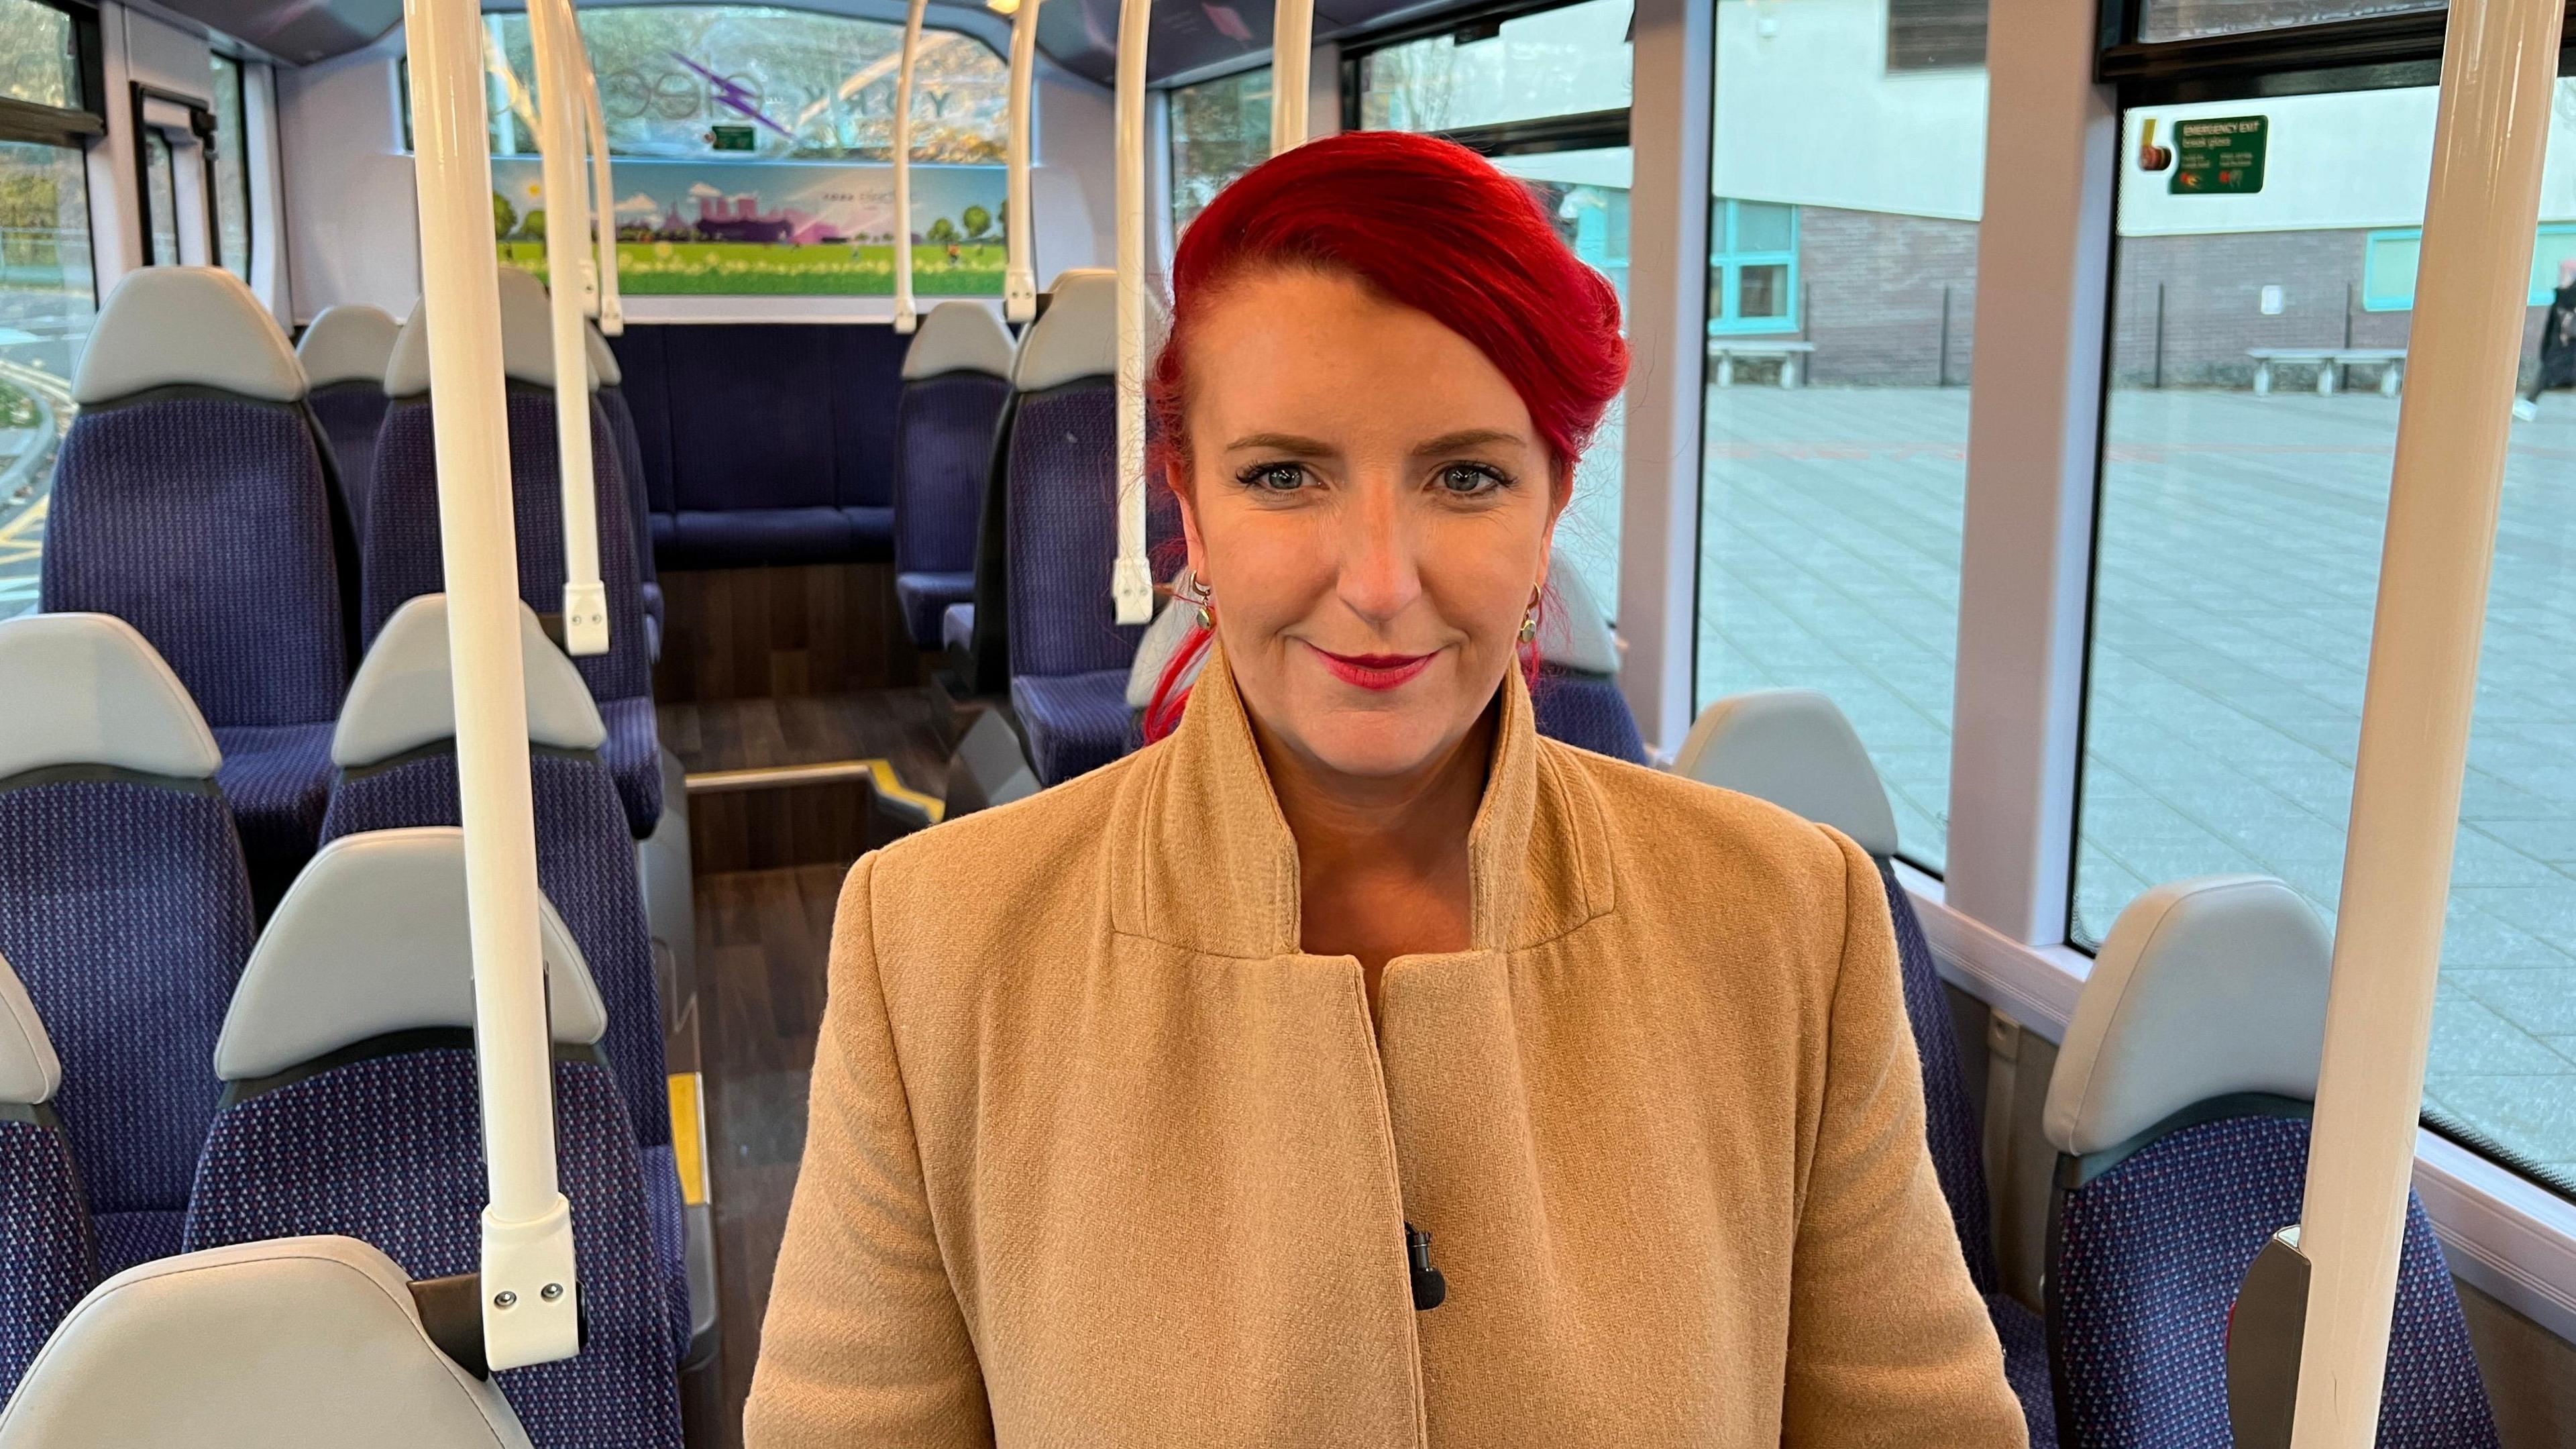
pixel 764 937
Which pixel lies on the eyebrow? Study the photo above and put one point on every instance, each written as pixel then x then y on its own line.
pixel 1289 443
pixel 1468 438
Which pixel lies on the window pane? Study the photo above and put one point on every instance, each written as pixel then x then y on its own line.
pixel 1220 129
pixel 39 59
pixel 232 169
pixel 1586 194
pixel 1842 278
pixel 2240 527
pixel 160 200
pixel 46 302
pixel 739 82
pixel 2184 19
pixel 1562 62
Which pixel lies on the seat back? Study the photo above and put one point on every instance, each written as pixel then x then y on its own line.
pixel 47 1256
pixel 351 1108
pixel 124 906
pixel 956 376
pixel 402 542
pixel 1061 491
pixel 1793 748
pixel 157 1358
pixel 344 352
pixel 629 445
pixel 2179 1105
pixel 1577 699
pixel 190 499
pixel 396 753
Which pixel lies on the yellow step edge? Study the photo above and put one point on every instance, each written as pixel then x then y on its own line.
pixel 689 1136
pixel 765 777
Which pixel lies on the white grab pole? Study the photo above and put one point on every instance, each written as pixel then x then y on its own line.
pixel 530 1297
pixel 612 312
pixel 1019 273
pixel 1292 54
pixel 1131 579
pixel 905 318
pixel 2499 62
pixel 558 44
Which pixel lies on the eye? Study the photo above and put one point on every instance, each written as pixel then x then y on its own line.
pixel 1469 480
pixel 1274 477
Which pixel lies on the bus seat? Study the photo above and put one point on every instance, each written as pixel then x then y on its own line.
pixel 1069 656
pixel 630 467
pixel 396 750
pixel 191 501
pixel 156 1358
pixel 956 376
pixel 48 1257
pixel 766 443
pixel 1794 748
pixel 350 1108
pixel 2179 1106
pixel 402 545
pixel 1577 699
pixel 124 907
pixel 344 351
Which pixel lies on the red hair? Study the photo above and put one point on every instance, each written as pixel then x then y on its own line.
pixel 1422 223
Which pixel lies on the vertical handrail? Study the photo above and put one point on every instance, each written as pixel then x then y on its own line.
pixel 1019 271
pixel 529 1293
pixel 558 45
pixel 1292 54
pixel 905 318
pixel 1131 579
pixel 612 310
pixel 2499 62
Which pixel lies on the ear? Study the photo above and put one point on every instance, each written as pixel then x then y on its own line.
pixel 1176 479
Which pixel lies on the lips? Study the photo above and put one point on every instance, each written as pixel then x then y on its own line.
pixel 1374 671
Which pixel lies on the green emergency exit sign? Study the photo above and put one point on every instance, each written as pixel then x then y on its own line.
pixel 731 138
pixel 2219 156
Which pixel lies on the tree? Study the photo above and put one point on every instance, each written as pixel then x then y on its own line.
pixel 504 215
pixel 941 233
pixel 978 222
pixel 532 227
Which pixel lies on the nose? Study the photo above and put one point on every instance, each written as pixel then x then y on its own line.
pixel 1381 572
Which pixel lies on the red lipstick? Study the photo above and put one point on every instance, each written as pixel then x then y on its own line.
pixel 1373 671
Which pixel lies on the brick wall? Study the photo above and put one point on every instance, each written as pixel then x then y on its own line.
pixel 1871 288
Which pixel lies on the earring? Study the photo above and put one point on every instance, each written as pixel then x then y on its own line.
pixel 1196 591
pixel 1529 621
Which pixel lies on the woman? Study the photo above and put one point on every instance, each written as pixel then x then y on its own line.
pixel 1128 1093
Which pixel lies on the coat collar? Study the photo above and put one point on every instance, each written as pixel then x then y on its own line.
pixel 1214 866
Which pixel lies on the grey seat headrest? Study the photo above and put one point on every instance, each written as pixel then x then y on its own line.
pixel 87 689
pixel 604 370
pixel 1573 628
pixel 958 336
pixel 289 1343
pixel 527 340
pixel 372 939
pixel 404 697
pixel 1793 748
pixel 165 326
pixel 347 343
pixel 1076 337
pixel 2206 987
pixel 29 1071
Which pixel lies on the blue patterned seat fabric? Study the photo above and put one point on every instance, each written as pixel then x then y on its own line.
pixel 388 1150
pixel 47 1256
pixel 126 911
pixel 350 413
pixel 203 520
pixel 1587 712
pixel 2151 1253
pixel 277 778
pixel 1074 722
pixel 403 562
pixel 943 447
pixel 639 508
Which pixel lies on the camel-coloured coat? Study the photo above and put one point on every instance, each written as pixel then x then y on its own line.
pixel 1100 1159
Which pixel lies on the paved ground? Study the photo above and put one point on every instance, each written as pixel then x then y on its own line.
pixel 2238 563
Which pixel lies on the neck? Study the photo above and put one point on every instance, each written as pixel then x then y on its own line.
pixel 1382 860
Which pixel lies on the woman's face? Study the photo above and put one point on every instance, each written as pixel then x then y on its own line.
pixel 1371 507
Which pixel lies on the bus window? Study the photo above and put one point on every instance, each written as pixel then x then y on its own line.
pixel 2160 20
pixel 232 170
pixel 2258 354
pixel 1847 173
pixel 1545 96
pixel 160 201
pixel 1220 129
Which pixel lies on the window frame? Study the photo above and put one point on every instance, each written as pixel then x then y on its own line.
pixel 1573 131
pixel 1729 261
pixel 1171 136
pixel 214 202
pixel 70 127
pixel 201 125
